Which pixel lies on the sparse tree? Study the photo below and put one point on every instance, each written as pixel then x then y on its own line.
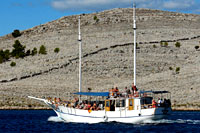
pixel 178 44
pixel 166 44
pixel 170 68
pixel 196 47
pixel 12 64
pixel 56 50
pixel 96 19
pixel 161 44
pixel 1 59
pixel 34 51
pixel 177 70
pixel 42 50
pixel 16 33
pixel 19 50
pixel 28 52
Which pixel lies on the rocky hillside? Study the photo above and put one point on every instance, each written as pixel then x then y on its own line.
pixel 107 57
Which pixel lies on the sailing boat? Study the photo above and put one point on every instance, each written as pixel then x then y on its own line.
pixel 113 106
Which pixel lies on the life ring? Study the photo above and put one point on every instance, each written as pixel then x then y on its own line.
pixel 105 118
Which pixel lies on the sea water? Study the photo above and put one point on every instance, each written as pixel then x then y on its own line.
pixel 47 121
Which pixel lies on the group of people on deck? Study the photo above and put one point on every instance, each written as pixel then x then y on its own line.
pixel 85 105
pixel 161 103
pixel 133 92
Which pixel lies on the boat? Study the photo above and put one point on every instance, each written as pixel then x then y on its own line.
pixel 112 106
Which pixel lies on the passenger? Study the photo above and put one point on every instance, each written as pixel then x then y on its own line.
pixel 116 92
pixel 82 106
pixel 165 104
pixel 94 107
pixel 85 106
pixel 55 99
pixel 78 106
pixel 58 100
pixel 100 107
pixel 111 92
pixel 153 103
pixel 134 88
pixel 159 102
pixel 125 93
pixel 89 105
pixel 76 100
pixel 131 95
pixel 49 99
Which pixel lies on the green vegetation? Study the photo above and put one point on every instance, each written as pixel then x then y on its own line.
pixel 177 70
pixel 178 44
pixel 28 52
pixel 42 50
pixel 34 51
pixel 154 46
pixel 170 68
pixel 166 44
pixel 1 59
pixel 96 19
pixel 161 44
pixel 4 55
pixel 19 50
pixel 12 64
pixel 56 50
pixel 196 47
pixel 16 33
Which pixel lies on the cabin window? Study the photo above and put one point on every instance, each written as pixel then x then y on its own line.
pixel 131 102
pixel 107 103
pixel 120 103
pixel 146 100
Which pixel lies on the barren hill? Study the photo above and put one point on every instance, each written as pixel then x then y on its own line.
pixel 107 57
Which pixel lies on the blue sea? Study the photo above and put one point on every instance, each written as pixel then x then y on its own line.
pixel 46 121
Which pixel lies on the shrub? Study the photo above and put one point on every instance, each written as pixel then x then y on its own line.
pixel 42 50
pixel 177 70
pixel 96 19
pixel 154 46
pixel 161 44
pixel 16 33
pixel 12 64
pixel 196 47
pixel 34 51
pixel 19 50
pixel 178 44
pixel 56 50
pixel 166 44
pixel 28 52
pixel 170 68
pixel 1 59
pixel 5 55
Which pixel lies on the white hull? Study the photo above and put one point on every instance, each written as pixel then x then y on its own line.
pixel 69 114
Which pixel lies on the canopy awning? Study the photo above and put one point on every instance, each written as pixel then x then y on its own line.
pixel 93 93
pixel 154 92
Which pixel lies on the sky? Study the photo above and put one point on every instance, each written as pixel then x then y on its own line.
pixel 25 14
